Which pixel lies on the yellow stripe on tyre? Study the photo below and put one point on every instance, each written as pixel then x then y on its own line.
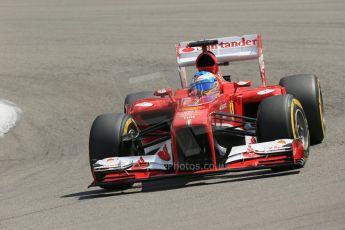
pixel 292 115
pixel 125 128
pixel 321 108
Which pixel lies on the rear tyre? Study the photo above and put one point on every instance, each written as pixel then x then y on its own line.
pixel 106 141
pixel 306 88
pixel 282 117
pixel 133 97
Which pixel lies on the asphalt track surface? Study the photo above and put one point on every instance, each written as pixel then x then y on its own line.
pixel 64 62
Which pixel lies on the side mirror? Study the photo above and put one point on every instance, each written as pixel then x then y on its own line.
pixel 226 63
pixel 163 92
pixel 245 83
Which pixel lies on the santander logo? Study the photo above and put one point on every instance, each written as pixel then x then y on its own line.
pixel 223 45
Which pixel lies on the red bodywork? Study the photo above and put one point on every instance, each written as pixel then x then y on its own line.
pixel 234 97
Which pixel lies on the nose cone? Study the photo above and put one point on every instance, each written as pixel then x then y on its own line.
pixel 191 116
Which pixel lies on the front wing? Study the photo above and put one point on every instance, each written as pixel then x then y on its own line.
pixel 117 170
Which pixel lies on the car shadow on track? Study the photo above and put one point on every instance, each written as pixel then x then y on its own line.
pixel 178 183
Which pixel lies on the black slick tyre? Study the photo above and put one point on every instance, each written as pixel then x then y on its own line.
pixel 106 140
pixel 283 117
pixel 306 88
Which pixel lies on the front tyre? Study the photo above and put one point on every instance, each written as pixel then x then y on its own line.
pixel 106 141
pixel 281 117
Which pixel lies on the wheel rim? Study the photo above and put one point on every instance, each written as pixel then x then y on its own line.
pixel 130 128
pixel 302 131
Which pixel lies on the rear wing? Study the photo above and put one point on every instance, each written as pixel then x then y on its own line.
pixel 228 49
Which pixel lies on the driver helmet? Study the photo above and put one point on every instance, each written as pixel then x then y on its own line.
pixel 204 82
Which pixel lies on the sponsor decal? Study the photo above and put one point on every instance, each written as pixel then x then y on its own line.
pixel 223 45
pixel 281 142
pixel 141 164
pixel 192 108
pixel 188 49
pixel 222 107
pixel 144 104
pixel 266 91
pixel 164 154
pixel 111 162
pixel 189 117
pixel 274 147
pixel 189 114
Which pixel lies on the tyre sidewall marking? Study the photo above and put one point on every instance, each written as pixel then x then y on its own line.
pixel 321 107
pixel 126 125
pixel 129 125
pixel 292 115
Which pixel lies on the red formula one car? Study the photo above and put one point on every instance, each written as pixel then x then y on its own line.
pixel 165 134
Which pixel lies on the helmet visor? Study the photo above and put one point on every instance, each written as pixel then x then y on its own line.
pixel 203 86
